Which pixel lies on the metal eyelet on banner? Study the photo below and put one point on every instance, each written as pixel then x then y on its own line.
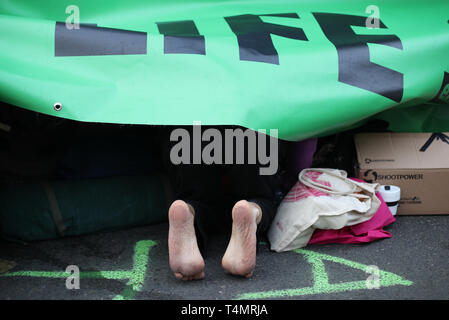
pixel 57 106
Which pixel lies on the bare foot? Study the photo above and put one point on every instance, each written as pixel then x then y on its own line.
pixel 186 261
pixel 240 256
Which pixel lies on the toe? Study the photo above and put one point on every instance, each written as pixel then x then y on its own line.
pixel 178 275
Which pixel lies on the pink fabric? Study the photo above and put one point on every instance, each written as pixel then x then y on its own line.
pixel 367 231
pixel 299 191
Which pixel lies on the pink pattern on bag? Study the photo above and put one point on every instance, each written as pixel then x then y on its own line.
pixel 314 175
pixel 364 232
pixel 300 191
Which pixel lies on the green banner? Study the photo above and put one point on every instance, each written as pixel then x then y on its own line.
pixel 306 68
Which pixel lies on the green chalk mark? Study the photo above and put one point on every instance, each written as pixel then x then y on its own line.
pixel 127 294
pixel 135 276
pixel 83 274
pixel 321 283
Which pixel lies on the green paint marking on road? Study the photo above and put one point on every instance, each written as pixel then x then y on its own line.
pixel 127 294
pixel 117 275
pixel 135 276
pixel 321 283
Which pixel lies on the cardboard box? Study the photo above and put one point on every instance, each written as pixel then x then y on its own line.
pixel 418 163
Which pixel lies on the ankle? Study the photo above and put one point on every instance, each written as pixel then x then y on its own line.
pixel 257 210
pixel 192 211
pixel 253 207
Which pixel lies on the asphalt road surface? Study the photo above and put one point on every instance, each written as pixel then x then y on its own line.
pixel 133 264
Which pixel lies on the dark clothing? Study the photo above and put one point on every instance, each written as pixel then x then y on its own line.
pixel 212 190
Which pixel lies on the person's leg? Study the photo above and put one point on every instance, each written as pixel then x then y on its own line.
pixel 191 217
pixel 251 218
pixel 250 221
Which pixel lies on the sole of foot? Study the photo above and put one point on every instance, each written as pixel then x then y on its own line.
pixel 185 258
pixel 240 256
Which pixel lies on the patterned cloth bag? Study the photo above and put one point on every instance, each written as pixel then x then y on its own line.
pixel 321 199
